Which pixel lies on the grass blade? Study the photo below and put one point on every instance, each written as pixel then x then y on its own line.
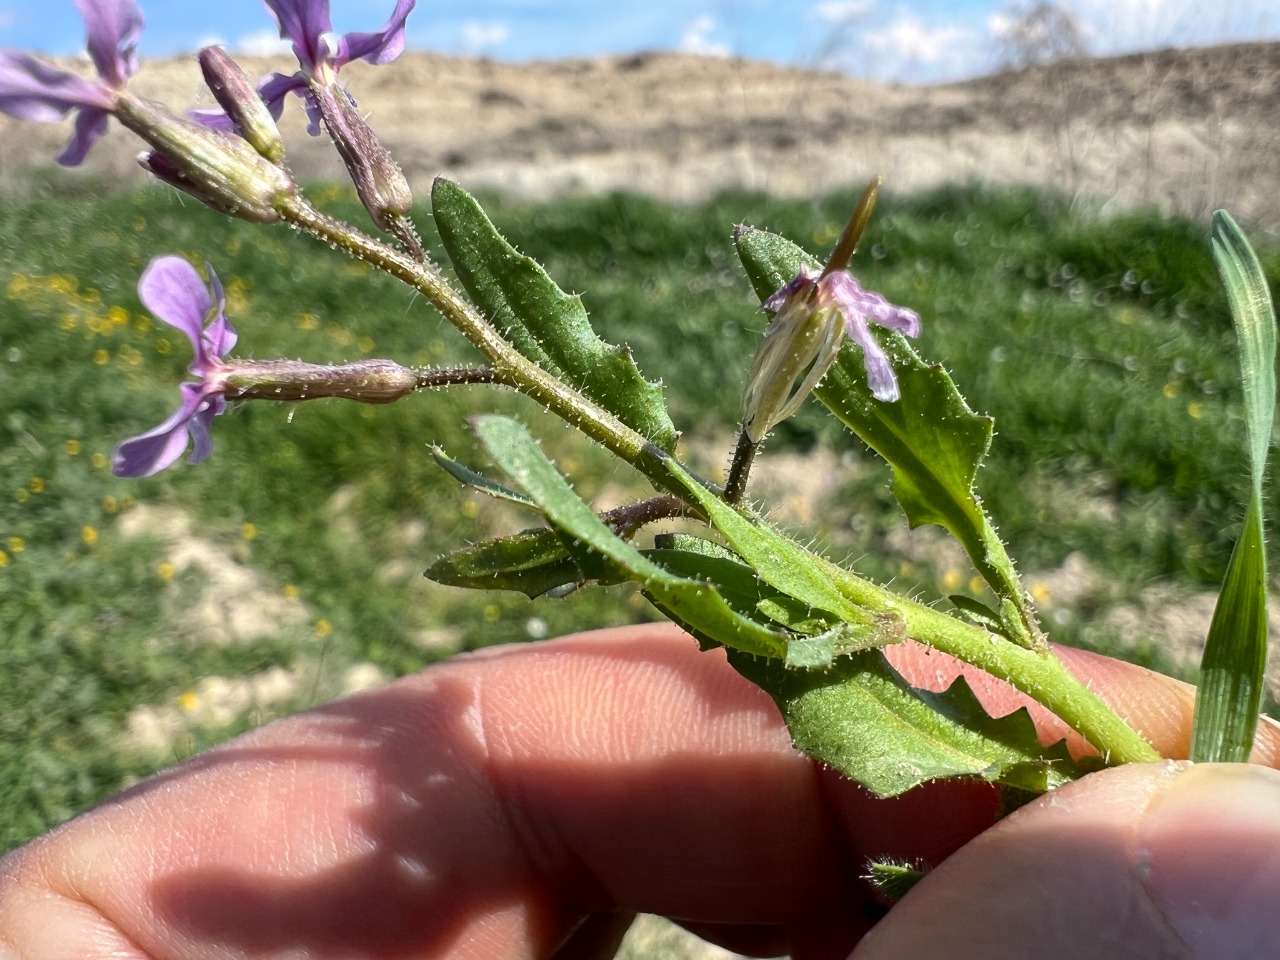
pixel 1235 653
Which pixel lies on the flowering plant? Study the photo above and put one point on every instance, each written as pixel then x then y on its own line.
pixel 818 637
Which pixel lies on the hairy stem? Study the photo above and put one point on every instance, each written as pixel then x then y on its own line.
pixel 509 365
pixel 432 377
pixel 1039 674
pixel 744 455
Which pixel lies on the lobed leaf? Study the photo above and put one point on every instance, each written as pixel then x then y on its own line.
pixel 861 717
pixel 547 325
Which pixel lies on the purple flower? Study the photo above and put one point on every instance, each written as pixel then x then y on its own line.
pixel 173 291
pixel 839 291
pixel 321 53
pixel 33 90
pixel 811 315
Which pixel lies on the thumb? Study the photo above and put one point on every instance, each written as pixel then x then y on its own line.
pixel 1165 860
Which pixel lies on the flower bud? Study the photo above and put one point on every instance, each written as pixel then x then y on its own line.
pixel 381 184
pixel 366 381
pixel 237 96
pixel 218 168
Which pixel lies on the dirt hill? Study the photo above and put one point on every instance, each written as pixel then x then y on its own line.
pixel 1187 129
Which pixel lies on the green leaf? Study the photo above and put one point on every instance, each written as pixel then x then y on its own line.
pixel 931 438
pixel 807 597
pixel 532 563
pixel 862 718
pixel 692 601
pixel 469 478
pixel 547 325
pixel 780 562
pixel 1235 653
pixel 1255 322
pixel 893 880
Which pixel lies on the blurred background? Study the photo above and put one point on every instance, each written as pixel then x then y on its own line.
pixel 1049 172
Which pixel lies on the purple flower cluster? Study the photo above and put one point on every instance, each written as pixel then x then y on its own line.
pixel 31 89
pixel 321 53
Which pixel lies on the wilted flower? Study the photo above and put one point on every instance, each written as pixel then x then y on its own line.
pixel 33 90
pixel 172 290
pixel 804 339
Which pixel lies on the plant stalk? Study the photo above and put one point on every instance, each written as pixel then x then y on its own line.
pixel 509 365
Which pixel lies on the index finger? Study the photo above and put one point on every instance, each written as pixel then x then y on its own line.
pixel 484 808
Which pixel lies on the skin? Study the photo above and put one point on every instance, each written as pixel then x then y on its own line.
pixel 525 802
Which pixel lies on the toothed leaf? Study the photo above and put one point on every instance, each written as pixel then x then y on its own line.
pixel 547 325
pixel 862 718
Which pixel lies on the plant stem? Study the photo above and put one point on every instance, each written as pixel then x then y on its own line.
pixel 431 377
pixel 744 455
pixel 509 366
pixel 1040 675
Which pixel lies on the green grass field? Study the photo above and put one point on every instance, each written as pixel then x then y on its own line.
pixel 1103 348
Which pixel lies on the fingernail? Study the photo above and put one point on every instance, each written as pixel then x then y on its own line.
pixel 1209 857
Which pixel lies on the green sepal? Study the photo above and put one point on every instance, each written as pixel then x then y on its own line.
pixel 547 325
pixel 1234 662
pixel 931 438
pixel 470 478
pixel 692 601
pixel 862 718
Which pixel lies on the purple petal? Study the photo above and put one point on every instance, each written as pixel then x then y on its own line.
pixel 89 126
pixel 173 291
pixel 219 337
pixel 275 86
pixel 151 452
pixel 304 23
pixel 788 290
pixel 214 118
pixel 114 27
pixel 381 47
pixel 33 90
pixel 852 299
pixel 880 378
pixel 199 426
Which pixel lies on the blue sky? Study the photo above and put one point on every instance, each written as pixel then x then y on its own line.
pixel 906 40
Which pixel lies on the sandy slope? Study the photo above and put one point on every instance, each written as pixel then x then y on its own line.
pixel 1189 130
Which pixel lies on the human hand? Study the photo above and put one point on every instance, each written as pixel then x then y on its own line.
pixel 527 801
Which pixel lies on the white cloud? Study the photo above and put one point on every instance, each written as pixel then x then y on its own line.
pixel 6 19
pixel 264 43
pixel 696 39
pixel 909 39
pixel 840 12
pixel 1121 25
pixel 481 35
